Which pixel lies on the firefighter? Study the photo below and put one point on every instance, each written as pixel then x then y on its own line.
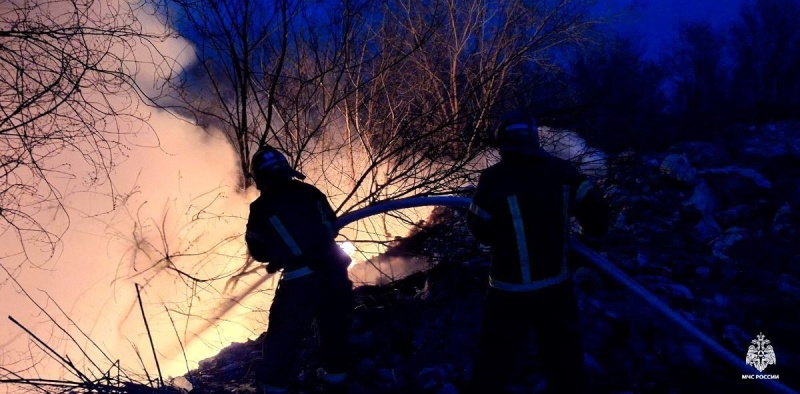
pixel 522 209
pixel 291 228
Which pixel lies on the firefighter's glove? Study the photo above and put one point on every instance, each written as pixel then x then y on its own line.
pixel 273 268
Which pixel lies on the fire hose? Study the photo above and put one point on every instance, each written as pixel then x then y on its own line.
pixel 597 260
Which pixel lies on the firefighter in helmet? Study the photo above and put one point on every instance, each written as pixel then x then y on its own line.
pixel 522 209
pixel 291 228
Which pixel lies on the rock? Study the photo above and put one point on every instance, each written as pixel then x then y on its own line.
pixel 676 291
pixel 181 383
pixel 620 223
pixel 431 378
pixel 705 231
pixel 725 241
pixel 233 369
pixel 755 177
pixel 736 336
pixel 592 364
pixel 641 260
pixel 387 375
pixel 702 200
pixel 687 354
pixel 365 366
pixel 702 272
pixel 703 203
pixel 677 167
pixel 366 339
pixel 793 265
pixel 770 142
pixel 783 222
pixel 703 154
pixel 789 285
pixel 722 301
pixel 735 216
pixel 587 279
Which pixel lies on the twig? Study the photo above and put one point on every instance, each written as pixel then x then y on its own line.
pixel 141 361
pixel 43 382
pixel 53 320
pixel 188 371
pixel 149 335
pixel 81 331
pixel 60 358
pixel 229 304
pixel 18 377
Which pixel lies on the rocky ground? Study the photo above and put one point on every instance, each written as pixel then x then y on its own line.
pixel 709 227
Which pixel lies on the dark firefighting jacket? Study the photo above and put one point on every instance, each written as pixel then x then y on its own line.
pixel 522 208
pixel 291 226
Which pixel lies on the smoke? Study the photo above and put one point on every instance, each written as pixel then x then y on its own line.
pixel 372 266
pixel 175 208
pixel 344 169
pixel 169 219
pixel 383 270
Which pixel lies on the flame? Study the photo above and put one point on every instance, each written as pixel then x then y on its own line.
pixel 348 248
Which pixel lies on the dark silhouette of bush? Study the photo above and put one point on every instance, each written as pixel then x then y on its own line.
pixel 708 81
pixel 765 50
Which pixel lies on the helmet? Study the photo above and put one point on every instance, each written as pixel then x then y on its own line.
pixel 268 164
pixel 517 130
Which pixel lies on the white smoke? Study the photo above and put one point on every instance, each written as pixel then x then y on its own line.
pixel 170 220
pixel 177 208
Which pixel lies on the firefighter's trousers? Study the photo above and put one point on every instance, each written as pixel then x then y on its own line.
pixel 326 298
pixel 550 314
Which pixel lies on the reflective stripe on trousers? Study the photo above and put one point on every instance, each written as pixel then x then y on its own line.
pixel 334 378
pixel 531 286
pixel 267 389
pixel 565 234
pixel 522 243
pixel 584 188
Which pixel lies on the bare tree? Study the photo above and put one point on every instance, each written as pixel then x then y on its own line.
pixel 66 70
pixel 296 74
pixel 371 100
pixel 766 50
pixel 700 74
pixel 428 118
pixel 241 45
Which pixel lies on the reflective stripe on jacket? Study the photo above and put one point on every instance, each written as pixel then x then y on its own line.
pixel 290 225
pixel 522 209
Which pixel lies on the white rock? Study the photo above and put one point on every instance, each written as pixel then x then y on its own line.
pixel 748 173
pixel 677 167
pixel 725 241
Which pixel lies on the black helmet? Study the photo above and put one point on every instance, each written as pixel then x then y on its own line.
pixel 268 164
pixel 517 131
